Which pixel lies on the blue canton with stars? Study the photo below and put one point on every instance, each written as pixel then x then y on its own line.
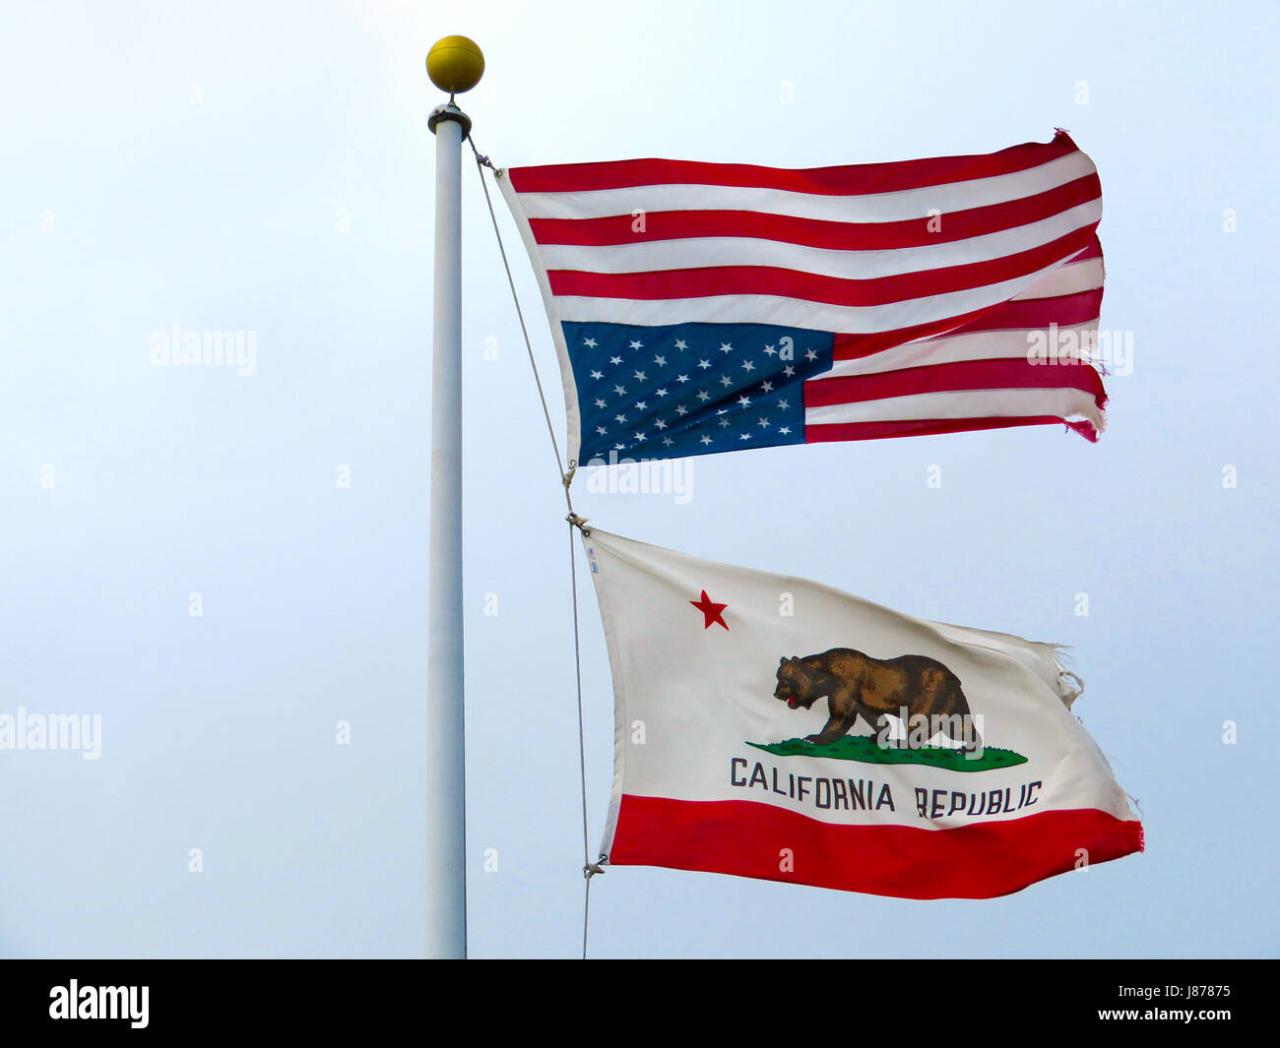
pixel 690 389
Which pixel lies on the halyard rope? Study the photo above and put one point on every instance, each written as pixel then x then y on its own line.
pixel 481 163
pixel 589 869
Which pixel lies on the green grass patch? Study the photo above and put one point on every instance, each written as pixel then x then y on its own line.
pixel 863 748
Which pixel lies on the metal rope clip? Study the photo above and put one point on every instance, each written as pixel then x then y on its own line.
pixel 579 522
pixel 592 868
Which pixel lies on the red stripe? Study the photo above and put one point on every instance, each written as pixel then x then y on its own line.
pixel 820 233
pixel 979 861
pixel 1063 310
pixel 928 427
pixel 1000 373
pixel 1094 250
pixel 828 181
pixel 812 287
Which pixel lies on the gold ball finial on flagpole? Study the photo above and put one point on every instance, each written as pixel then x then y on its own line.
pixel 455 64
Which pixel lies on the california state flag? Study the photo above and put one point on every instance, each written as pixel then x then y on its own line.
pixel 773 727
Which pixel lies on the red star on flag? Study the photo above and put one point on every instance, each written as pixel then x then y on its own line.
pixel 711 611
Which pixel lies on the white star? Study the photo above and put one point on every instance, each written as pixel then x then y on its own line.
pixel 788 371
pixel 784 404
pixel 810 354
pixel 748 366
pixel 763 423
pixel 615 360
pixel 770 351
pixel 667 442
pixel 660 361
pixel 590 343
pixel 641 406
pixel 724 422
pixel 704 364
pixel 660 424
pixel 599 403
pixel 620 391
pixel 704 396
pixel 722 411
pixel 597 375
pixel 682 378
pixel 641 376
pixel 784 429
pixel 681 345
pixel 619 447
pixel 744 436
pixel 640 438
pixel 744 402
pixel 726 347
pixel 681 409
pixel 620 418
pixel 602 431
pixel 725 380
pixel 660 392
pixel 637 344
pixel 705 440
pixel 766 387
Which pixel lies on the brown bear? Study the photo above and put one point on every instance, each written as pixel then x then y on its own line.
pixel 856 685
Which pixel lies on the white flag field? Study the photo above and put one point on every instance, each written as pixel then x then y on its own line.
pixel 773 727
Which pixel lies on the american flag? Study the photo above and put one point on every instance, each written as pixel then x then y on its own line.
pixel 701 307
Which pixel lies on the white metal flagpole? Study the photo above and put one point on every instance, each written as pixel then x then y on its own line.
pixel 454 64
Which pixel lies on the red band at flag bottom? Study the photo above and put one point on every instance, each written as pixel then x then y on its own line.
pixel 978 861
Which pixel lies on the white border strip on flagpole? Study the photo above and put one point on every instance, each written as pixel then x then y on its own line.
pixel 572 418
pixel 619 695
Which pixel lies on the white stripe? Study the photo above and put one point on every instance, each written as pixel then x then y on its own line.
pixel 707 252
pixel 791 312
pixel 969 403
pixel 1070 279
pixel 866 207
pixel 953 349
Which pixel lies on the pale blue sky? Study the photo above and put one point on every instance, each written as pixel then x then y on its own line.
pixel 267 169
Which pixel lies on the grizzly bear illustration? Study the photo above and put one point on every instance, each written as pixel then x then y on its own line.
pixel 856 685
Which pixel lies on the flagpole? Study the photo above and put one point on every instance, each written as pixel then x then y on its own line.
pixel 453 64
